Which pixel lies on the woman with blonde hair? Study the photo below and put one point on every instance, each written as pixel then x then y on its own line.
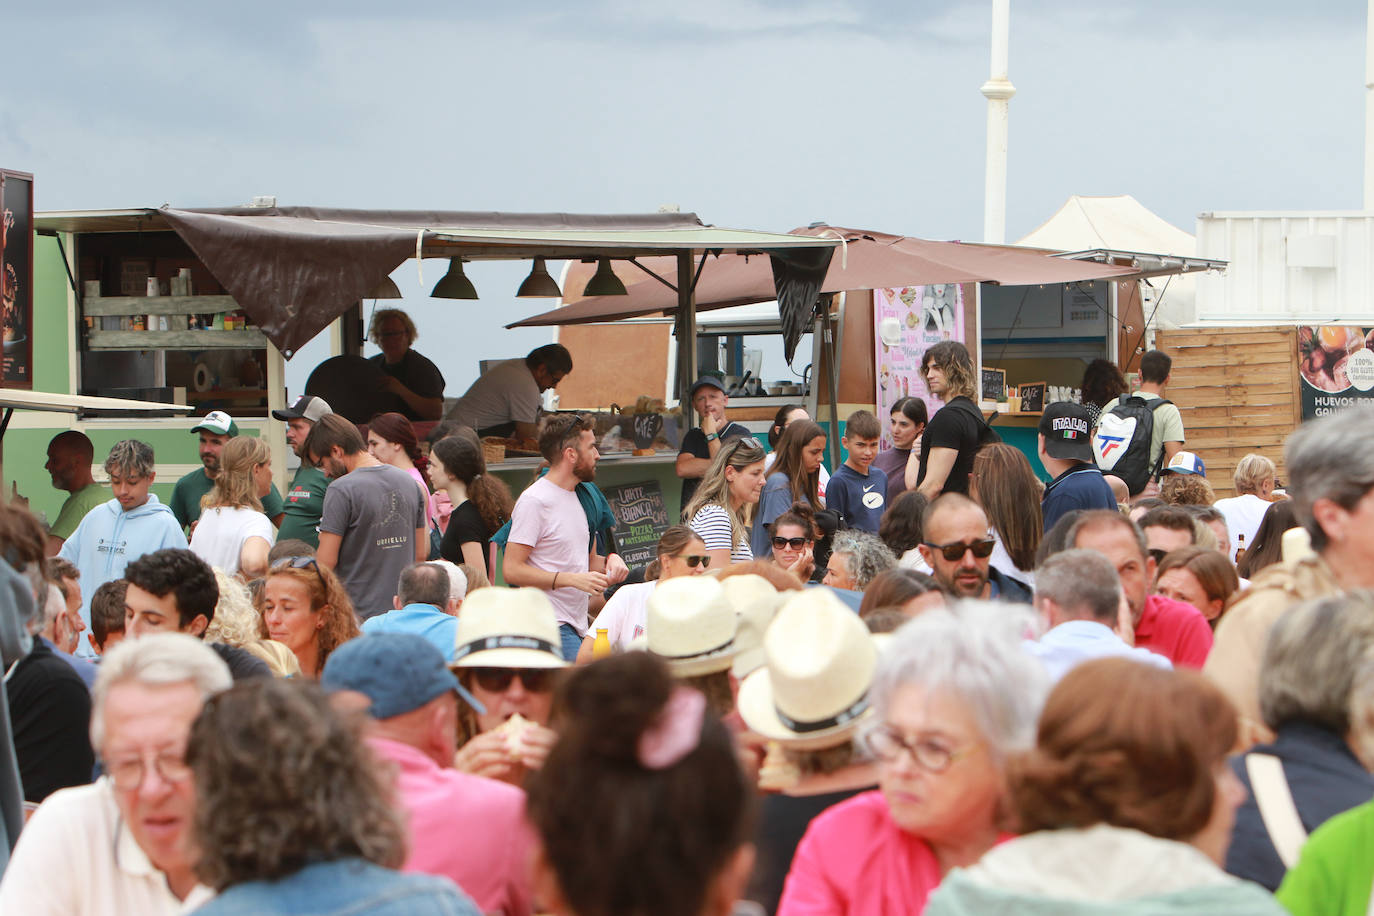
pixel 305 607
pixel 233 534
pixel 236 623
pixel 1003 483
pixel 719 510
pixel 1254 483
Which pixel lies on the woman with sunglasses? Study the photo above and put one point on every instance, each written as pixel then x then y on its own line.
pixel 507 654
pixel 793 478
pixel 680 553
pixel 793 541
pixel 953 696
pixel 718 511
pixel 305 607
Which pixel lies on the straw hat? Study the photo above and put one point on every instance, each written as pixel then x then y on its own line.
pixel 507 628
pixel 820 663
pixel 691 625
pixel 755 601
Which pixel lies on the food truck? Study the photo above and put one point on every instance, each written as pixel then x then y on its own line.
pixel 203 307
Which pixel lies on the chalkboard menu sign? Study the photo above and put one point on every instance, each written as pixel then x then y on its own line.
pixel 645 430
pixel 641 517
pixel 1032 396
pixel 994 386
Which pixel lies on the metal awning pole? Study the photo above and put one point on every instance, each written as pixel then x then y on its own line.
pixel 832 379
pixel 686 336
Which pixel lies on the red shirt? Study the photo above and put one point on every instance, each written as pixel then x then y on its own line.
pixel 1174 629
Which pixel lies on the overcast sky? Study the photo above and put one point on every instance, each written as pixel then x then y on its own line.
pixel 762 114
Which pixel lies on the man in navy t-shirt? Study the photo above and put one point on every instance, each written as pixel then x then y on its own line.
pixel 1066 450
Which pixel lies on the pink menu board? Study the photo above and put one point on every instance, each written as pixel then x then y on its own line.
pixel 905 323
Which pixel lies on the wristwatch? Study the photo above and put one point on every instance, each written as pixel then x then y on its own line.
pixel 712 437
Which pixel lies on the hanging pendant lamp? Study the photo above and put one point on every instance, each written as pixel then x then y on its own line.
pixel 604 282
pixel 455 284
pixel 539 285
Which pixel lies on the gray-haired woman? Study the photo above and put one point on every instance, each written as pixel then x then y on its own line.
pixel 1309 772
pixel 953 696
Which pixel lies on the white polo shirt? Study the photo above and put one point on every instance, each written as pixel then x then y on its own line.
pixel 76 857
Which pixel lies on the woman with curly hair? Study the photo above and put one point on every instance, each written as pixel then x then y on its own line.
pixel 233 534
pixel 293 814
pixel 793 478
pixel 392 440
pixel 236 623
pixel 793 541
pixel 1119 814
pixel 305 606
pixel 661 816
pixel 481 502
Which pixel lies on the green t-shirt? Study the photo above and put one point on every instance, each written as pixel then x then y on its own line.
pixel 304 503
pixel 76 507
pixel 186 496
pixel 1332 876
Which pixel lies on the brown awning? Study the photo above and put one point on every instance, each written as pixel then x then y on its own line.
pixel 864 260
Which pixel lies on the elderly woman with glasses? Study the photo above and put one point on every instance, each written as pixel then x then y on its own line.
pixel 953 696
pixel 680 553
pixel 1125 805
pixel 305 607
pixel 719 510
pixel 507 655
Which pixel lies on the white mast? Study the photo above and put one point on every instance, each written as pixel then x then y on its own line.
pixel 998 90
pixel 1369 109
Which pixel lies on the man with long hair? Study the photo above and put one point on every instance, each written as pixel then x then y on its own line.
pixel 957 429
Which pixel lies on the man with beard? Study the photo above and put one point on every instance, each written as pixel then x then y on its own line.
pixel 1169 628
pixel 305 498
pixel 215 430
pixel 958 545
pixel 550 544
pixel 373 523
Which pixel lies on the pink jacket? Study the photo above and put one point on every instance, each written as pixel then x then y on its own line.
pixel 855 861
pixel 464 827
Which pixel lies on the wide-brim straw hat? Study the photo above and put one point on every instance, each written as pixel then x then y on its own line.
pixel 814 689
pixel 507 628
pixel 691 625
pixel 755 601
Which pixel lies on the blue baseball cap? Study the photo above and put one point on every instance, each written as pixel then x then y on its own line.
pixel 1186 463
pixel 398 672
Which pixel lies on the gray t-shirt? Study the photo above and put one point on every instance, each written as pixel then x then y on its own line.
pixel 507 393
pixel 376 511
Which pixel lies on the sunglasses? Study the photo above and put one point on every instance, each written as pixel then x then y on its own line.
pixel 747 441
pixel 693 560
pixel 296 563
pixel 794 543
pixel 955 551
pixel 498 680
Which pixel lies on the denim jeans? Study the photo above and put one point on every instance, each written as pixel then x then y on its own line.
pixel 571 642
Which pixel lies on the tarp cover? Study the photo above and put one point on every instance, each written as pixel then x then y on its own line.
pixel 865 260
pixel 296 269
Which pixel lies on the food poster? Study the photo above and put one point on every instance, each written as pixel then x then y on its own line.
pixel 16 277
pixel 907 322
pixel 1336 363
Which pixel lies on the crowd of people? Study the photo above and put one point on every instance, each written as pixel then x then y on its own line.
pixel 926 682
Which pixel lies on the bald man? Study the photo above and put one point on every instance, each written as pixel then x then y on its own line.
pixel 70 456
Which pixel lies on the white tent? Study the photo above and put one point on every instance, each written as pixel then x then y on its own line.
pixel 1123 224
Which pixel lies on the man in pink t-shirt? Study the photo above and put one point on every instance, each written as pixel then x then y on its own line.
pixel 550 545
pixel 1170 628
pixel 463 827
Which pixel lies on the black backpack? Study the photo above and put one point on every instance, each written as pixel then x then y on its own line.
pixel 1121 443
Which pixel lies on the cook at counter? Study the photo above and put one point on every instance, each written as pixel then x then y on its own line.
pixel 505 400
pixel 416 384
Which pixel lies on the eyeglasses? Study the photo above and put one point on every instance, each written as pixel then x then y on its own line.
pixel 296 563
pixel 794 543
pixel 929 754
pixel 693 560
pixel 128 773
pixel 955 550
pixel 498 680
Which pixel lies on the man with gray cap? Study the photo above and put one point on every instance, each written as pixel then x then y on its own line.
pixel 305 499
pixel 464 827
pixel 1331 482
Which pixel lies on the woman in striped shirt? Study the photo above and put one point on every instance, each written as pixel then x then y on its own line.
pixel 719 511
